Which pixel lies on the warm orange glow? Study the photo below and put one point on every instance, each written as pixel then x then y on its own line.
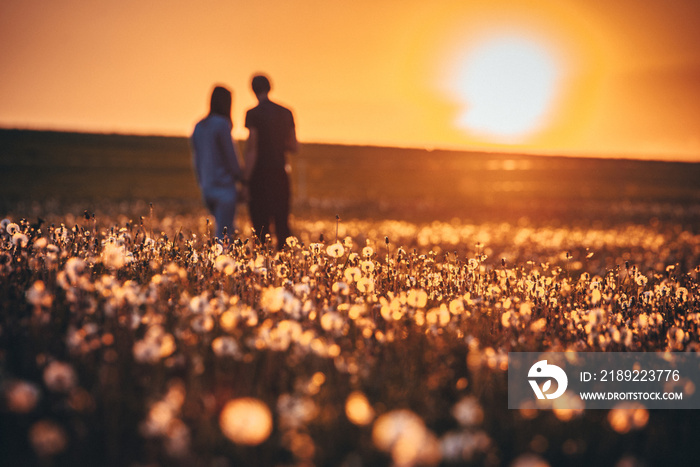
pixel 246 421
pixel 358 409
pixel 519 79
pixel 611 78
pixel 507 86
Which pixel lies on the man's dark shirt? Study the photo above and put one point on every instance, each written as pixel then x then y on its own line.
pixel 274 125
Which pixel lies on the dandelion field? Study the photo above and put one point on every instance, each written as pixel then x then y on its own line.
pixel 130 336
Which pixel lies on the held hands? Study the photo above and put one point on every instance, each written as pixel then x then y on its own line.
pixel 243 192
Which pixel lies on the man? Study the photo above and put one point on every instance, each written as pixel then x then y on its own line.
pixel 271 135
pixel 215 160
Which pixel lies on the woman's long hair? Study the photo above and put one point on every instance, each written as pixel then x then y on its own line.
pixel 221 103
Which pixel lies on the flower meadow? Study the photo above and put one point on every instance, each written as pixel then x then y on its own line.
pixel 142 340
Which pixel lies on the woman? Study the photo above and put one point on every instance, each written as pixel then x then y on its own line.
pixel 215 160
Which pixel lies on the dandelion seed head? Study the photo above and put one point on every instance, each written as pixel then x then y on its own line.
pixel 340 287
pixel 456 306
pixel 226 346
pixel 296 412
pixel 114 256
pixel 217 249
pixel 403 434
pixel 336 250
pixel 38 296
pixel 225 264
pixel 74 268
pixel 272 299
pixel 20 240
pixel 529 460
pixel 417 298
pixel 228 320
pixel 628 416
pixel 11 228
pixel 438 316
pixel 538 326
pixel 22 396
pixel 355 312
pixel 568 406
pixel 675 337
pixel 352 274
pixel 332 321
pixel 246 421
pixel 202 323
pixel 460 446
pixel 367 266
pixel 365 285
pixel 40 243
pixel 177 439
pixel 292 242
pixel 506 318
pixel 641 280
pixel 48 438
pixel 156 345
pixel 60 376
pixel 160 416
pixel 468 411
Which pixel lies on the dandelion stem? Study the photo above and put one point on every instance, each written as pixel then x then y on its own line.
pixel 337 223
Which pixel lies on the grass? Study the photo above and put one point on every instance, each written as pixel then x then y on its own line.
pixel 129 336
pixel 157 327
pixel 356 181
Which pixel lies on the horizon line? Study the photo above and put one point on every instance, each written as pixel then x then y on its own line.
pixel 671 158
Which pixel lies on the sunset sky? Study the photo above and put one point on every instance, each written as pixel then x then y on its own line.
pixel 612 78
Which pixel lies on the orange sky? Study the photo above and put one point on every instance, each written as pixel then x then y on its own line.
pixel 362 72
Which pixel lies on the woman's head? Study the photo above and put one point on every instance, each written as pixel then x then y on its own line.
pixel 221 102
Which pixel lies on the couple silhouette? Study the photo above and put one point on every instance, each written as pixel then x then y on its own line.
pixel 262 179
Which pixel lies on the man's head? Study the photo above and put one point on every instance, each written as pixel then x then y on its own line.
pixel 261 85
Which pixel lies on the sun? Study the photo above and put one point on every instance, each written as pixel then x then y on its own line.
pixel 506 87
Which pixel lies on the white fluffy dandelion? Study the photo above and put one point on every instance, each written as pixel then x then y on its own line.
pixel 246 421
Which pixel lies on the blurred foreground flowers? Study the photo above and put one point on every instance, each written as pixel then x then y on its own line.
pixel 151 342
